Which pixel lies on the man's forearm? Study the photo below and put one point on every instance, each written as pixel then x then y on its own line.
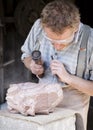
pixel 83 85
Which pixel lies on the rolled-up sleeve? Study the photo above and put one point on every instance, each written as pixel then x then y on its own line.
pixel 30 41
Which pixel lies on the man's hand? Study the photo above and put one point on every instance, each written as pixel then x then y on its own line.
pixel 36 69
pixel 58 69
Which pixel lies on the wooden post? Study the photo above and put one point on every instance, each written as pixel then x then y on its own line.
pixel 1 64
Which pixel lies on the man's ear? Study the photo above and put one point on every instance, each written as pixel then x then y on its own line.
pixel 76 28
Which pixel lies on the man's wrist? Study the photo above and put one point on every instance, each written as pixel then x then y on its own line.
pixel 68 79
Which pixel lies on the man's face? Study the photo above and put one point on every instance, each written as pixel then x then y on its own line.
pixel 59 41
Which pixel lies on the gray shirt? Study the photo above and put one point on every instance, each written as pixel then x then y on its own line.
pixel 67 56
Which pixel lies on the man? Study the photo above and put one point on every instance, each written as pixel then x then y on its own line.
pixel 64 42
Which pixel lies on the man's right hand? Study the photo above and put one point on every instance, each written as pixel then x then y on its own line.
pixel 32 66
pixel 36 69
